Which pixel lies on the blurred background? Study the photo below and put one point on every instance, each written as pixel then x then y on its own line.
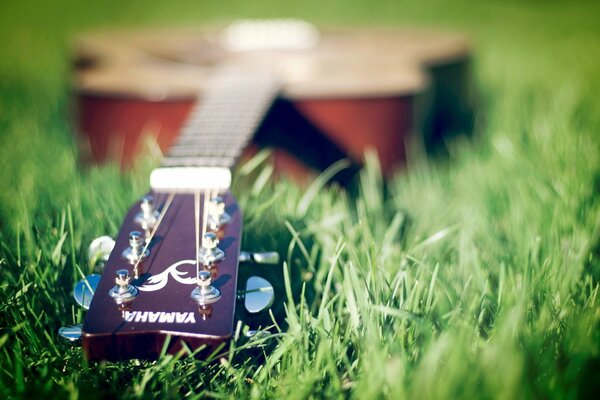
pixel 516 46
pixel 35 34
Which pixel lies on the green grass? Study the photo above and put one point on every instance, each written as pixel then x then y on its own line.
pixel 478 276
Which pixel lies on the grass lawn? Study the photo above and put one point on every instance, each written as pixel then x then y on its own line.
pixel 476 277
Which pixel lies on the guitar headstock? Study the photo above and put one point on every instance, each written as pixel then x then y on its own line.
pixel 148 293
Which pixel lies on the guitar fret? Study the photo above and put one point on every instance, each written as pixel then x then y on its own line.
pixel 199 161
pixel 215 128
pixel 194 150
pixel 222 124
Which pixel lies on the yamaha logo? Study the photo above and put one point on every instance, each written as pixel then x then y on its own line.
pixel 159 281
pixel 160 317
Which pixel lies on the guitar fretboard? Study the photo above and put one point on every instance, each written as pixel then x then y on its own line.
pixel 225 119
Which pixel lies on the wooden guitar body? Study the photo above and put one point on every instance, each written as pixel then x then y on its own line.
pixel 352 90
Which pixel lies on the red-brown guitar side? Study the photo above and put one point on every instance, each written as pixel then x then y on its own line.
pixel 113 128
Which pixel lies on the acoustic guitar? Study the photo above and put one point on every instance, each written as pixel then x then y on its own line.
pixel 170 279
pixel 343 91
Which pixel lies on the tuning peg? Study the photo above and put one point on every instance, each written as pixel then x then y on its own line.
pixel 217 217
pixel 148 216
pixel 71 333
pixel 99 251
pixel 84 290
pixel 209 253
pixel 135 252
pixel 269 257
pixel 205 293
pixel 258 295
pixel 257 334
pixel 123 292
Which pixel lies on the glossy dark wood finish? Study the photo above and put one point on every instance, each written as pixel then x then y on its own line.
pixel 380 124
pixel 107 336
pixel 113 128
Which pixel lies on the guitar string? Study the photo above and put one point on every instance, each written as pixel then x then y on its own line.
pixel 158 222
pixel 206 196
pixel 197 229
pixel 205 211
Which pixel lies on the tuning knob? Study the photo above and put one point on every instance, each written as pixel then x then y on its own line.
pixel 148 216
pixel 257 334
pixel 258 295
pixel 84 290
pixel 123 292
pixel 99 251
pixel 217 217
pixel 205 293
pixel 135 252
pixel 71 333
pixel 270 257
pixel 209 253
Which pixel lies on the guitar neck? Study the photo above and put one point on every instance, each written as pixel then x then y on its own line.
pixel 224 120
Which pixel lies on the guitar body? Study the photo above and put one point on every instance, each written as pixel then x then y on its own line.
pixel 356 89
pixel 383 124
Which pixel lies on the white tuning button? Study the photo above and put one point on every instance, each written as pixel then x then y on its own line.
pixel 135 252
pixel 99 251
pixel 123 292
pixel 148 216
pixel 258 295
pixel 71 333
pixel 257 334
pixel 209 253
pixel 217 217
pixel 205 293
pixel 84 290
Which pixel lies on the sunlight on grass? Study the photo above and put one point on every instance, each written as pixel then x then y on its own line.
pixel 471 276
